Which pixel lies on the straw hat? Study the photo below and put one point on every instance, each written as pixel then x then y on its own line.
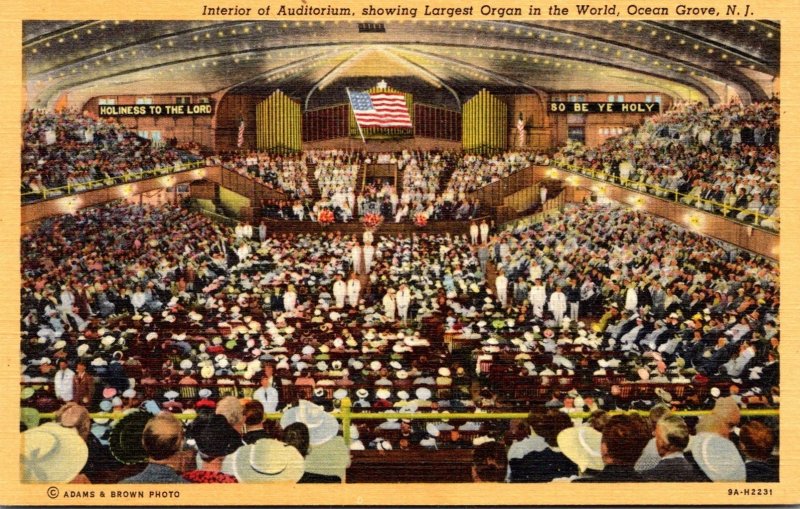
pixel 268 460
pixel 581 444
pixel 321 425
pixel 52 453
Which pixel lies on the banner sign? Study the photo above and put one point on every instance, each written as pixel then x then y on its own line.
pixel 154 110
pixel 607 107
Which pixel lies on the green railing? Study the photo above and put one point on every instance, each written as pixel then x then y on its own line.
pixel 670 195
pixel 346 415
pixel 56 192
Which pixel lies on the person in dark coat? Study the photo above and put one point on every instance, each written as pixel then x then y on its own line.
pixel 672 437
pixel 536 458
pixel 756 441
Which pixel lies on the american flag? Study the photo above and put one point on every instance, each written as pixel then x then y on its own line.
pixel 240 138
pixel 380 109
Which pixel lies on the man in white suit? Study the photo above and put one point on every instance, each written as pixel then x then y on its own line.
pixel 369 255
pixel 403 300
pixel 353 290
pixel 355 257
pixel 339 291
pixel 501 286
pixel 537 295
pixel 558 305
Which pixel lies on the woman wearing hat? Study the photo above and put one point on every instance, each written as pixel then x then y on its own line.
pixel 214 439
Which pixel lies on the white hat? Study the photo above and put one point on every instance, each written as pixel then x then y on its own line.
pixel 443 371
pixel 718 457
pixel 321 425
pixel 403 395
pixel 52 453
pixel 204 393
pixel 423 393
pixel 375 365
pixel 581 444
pixel 362 393
pixel 268 460
pixel 402 374
pixel 383 393
pixel 340 393
pixel 83 350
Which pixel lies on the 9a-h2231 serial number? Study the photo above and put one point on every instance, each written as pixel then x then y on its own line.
pixel 736 492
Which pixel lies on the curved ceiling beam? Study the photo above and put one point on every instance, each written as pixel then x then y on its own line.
pixel 328 74
pixel 441 81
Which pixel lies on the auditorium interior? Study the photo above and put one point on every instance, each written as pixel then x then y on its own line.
pixel 510 222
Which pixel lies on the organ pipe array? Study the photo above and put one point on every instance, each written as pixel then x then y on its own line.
pixel 484 124
pixel 279 124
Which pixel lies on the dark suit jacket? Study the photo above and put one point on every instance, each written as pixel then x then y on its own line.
pixel 674 470
pixel 309 477
pixel 613 473
pixel 543 466
pixel 760 471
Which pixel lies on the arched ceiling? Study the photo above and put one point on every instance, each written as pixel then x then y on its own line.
pixel 686 59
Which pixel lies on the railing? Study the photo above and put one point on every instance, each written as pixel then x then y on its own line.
pixel 57 192
pixel 246 185
pixel 492 194
pixel 346 415
pixel 709 206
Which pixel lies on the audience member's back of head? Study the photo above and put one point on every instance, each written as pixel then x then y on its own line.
pixel 674 431
pixel 489 462
pixel 231 408
pixel 253 413
pixel 757 440
pixel 548 424
pixel 162 436
pixel 722 419
pixel 624 438
pixel 658 412
pixel 73 415
pixel 296 435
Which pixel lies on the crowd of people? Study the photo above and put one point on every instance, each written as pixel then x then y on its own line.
pixel 69 152
pixel 722 159
pixel 286 173
pixel 127 303
pixel 474 171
